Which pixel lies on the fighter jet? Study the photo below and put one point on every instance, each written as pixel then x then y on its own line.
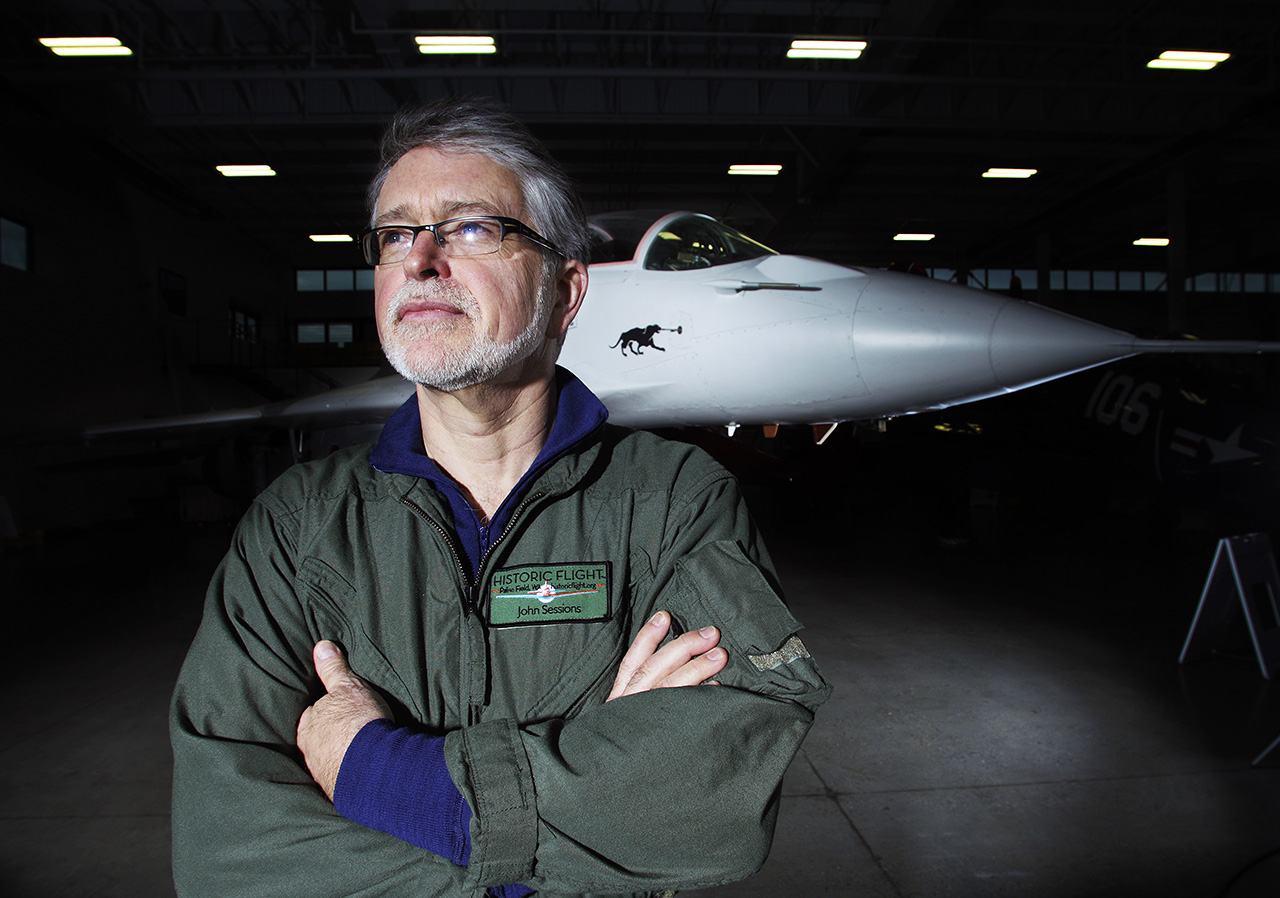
pixel 689 322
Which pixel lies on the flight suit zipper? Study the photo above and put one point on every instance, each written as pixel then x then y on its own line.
pixel 511 522
pixel 480 667
pixel 453 550
pixel 474 646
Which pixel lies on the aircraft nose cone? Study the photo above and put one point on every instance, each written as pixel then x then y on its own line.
pixel 1031 344
pixel 922 344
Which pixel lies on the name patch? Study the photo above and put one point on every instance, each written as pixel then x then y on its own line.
pixel 573 591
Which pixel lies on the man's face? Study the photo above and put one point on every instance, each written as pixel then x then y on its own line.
pixel 452 323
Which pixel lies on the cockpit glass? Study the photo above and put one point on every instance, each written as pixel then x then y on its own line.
pixel 695 242
pixel 614 238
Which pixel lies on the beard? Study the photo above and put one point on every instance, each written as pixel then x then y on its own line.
pixel 437 353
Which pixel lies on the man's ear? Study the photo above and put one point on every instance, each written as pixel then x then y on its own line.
pixel 571 289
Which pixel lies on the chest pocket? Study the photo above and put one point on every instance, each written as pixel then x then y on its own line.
pixel 331 602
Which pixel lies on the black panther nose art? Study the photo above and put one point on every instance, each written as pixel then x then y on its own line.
pixel 638 337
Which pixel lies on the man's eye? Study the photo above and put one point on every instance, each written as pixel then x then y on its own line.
pixel 473 230
pixel 394 237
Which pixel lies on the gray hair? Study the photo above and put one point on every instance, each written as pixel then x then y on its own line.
pixel 479 125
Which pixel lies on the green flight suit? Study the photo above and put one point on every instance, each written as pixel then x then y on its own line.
pixel 667 789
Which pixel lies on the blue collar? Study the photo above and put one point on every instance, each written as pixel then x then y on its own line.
pixel 399 450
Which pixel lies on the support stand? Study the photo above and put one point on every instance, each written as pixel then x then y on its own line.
pixel 1243 569
pixel 1266 751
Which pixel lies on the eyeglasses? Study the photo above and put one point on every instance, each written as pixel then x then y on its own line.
pixel 479 236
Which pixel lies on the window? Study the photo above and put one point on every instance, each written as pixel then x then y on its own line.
pixel 997 278
pixel 14 250
pixel 337 333
pixel 311 332
pixel 1130 280
pixel 243 326
pixel 310 281
pixel 1204 282
pixel 334 280
pixel 342 333
pixel 343 279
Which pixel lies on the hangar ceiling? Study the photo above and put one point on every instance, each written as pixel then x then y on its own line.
pixel 649 101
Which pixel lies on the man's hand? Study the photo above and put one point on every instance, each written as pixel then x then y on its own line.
pixel 688 660
pixel 327 727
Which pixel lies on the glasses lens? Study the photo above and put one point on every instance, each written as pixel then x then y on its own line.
pixel 470 236
pixel 388 244
pixel 369 246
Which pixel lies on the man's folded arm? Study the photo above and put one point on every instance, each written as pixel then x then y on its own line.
pixel 672 788
pixel 248 819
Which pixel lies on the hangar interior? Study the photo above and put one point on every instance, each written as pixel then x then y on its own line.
pixel 999 591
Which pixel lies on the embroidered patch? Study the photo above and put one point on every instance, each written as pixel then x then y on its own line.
pixel 573 591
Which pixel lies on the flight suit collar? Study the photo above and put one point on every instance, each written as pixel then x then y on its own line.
pixel 399 450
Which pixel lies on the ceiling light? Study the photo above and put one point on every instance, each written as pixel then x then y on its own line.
pixel 920 237
pixel 1198 60
pixel 331 238
pixel 246 171
pixel 86 46
pixel 824 49
pixel 1151 241
pixel 456 43
pixel 1009 172
pixel 754 169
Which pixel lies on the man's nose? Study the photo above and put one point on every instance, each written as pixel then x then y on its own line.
pixel 426 258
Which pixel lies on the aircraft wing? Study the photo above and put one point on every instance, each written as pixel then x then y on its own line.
pixel 367 403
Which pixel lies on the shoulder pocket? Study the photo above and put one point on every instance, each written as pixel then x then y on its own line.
pixel 718 584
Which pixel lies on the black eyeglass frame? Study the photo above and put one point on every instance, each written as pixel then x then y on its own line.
pixel 508 225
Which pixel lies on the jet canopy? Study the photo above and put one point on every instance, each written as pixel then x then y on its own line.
pixel 677 242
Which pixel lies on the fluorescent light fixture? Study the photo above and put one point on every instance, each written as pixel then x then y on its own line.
pixel 331 238
pixel 1199 60
pixel 1191 65
pixel 754 169
pixel 824 49
pixel 1151 241
pixel 455 43
pixel 86 46
pixel 1009 172
pixel 246 171
pixel 917 237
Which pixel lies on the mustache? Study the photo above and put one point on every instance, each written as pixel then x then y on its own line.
pixel 412 292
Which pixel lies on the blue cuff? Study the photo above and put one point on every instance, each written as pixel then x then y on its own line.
pixel 515 890
pixel 395 781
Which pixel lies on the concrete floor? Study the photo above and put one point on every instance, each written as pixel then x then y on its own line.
pixel 1007 721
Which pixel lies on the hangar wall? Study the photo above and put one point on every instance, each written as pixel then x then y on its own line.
pixel 123 293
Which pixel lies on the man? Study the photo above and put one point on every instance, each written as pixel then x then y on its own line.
pixel 447 665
